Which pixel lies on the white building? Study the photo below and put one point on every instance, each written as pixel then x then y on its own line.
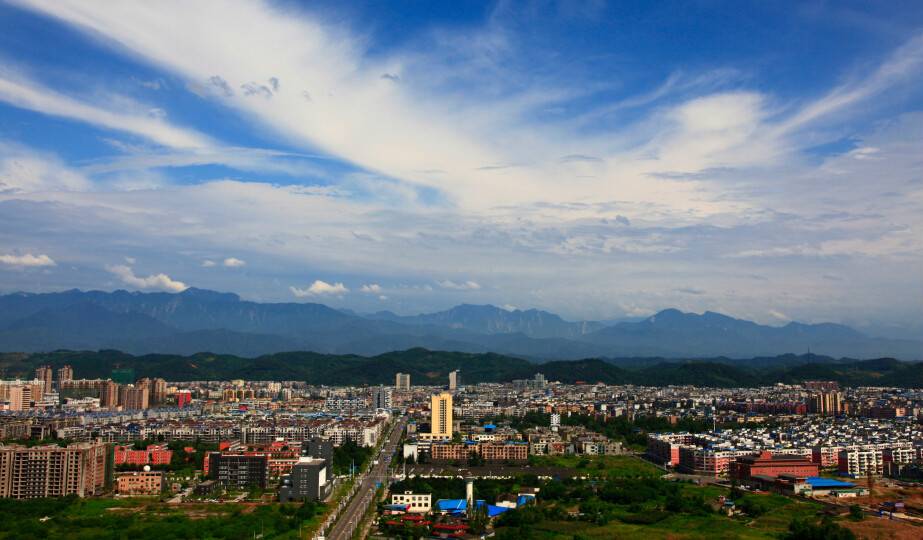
pixel 416 502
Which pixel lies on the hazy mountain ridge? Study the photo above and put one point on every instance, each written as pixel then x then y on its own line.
pixel 198 320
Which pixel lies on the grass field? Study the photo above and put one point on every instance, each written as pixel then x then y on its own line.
pixel 143 518
pixel 779 512
pixel 603 466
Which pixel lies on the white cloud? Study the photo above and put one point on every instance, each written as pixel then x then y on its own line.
pixel 232 262
pixel 21 92
pixel 25 170
pixel 372 288
pixel 779 315
pixel 27 260
pixel 208 263
pixel 130 260
pixel 460 285
pixel 320 288
pixel 160 282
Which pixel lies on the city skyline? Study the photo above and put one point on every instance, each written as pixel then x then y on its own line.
pixel 593 160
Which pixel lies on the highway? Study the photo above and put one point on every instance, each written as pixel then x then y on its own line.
pixel 350 517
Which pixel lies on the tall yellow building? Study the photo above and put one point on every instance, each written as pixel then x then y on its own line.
pixel 441 409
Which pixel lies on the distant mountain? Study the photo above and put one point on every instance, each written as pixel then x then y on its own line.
pixel 672 333
pixel 201 320
pixel 489 319
pixel 432 368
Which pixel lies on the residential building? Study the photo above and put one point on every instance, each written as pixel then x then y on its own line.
pixel 239 471
pixel 454 380
pixel 52 471
pixel 441 412
pixel 402 382
pixel 381 398
pixel 139 483
pixel 65 373
pixel 155 454
pixel 45 373
pixel 861 462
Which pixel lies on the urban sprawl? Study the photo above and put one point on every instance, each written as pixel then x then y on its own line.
pixel 216 440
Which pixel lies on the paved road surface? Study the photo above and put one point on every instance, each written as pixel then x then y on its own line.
pixel 350 517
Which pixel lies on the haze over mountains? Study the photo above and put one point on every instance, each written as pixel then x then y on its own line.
pixel 199 320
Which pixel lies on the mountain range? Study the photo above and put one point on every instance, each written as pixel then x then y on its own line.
pixel 432 368
pixel 198 320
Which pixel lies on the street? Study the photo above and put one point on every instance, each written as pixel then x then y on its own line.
pixel 349 517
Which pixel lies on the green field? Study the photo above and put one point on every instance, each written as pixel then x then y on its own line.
pixel 142 518
pixel 684 511
pixel 602 466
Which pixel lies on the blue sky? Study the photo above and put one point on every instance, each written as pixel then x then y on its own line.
pixel 600 160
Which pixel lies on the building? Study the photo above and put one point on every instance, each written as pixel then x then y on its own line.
pixel 822 386
pixel 65 373
pixel 827 404
pixel 134 397
pixel 447 452
pixel 859 463
pixel 158 389
pixel 139 483
pixel 309 480
pixel 664 449
pixel 239 471
pixel 454 380
pixel 402 382
pixel 109 394
pixel 766 464
pixel 441 422
pixel 381 398
pixel 511 451
pixel 183 398
pixel 52 471
pixel 318 448
pixel 155 454
pixel 416 503
pixel 45 373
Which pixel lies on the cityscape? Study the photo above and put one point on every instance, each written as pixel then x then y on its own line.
pixel 484 269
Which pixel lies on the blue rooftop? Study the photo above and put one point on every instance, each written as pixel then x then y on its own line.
pixel 818 482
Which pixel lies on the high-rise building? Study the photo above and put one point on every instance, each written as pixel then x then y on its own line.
pixel 134 397
pixel 402 382
pixel 52 471
pixel 454 380
pixel 109 394
pixel 381 397
pixel 65 373
pixel 826 404
pixel 441 409
pixel 45 373
pixel 20 395
pixel 158 391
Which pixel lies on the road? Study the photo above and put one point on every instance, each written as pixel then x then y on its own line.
pixel 349 518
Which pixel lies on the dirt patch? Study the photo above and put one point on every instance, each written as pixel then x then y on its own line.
pixel 875 528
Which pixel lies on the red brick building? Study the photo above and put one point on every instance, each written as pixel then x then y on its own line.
pixel 766 464
pixel 155 454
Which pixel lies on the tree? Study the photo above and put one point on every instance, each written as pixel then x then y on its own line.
pixel 825 530
pixel 856 513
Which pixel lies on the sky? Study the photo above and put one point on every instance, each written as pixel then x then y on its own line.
pixel 599 160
